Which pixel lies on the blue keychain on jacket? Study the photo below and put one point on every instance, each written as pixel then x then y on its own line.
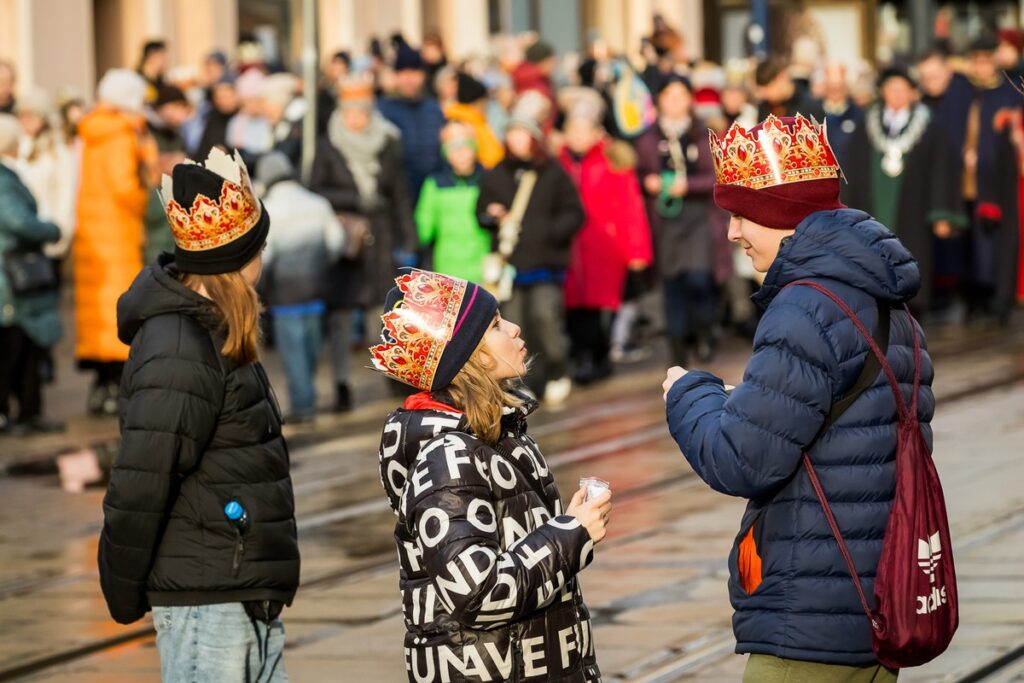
pixel 239 519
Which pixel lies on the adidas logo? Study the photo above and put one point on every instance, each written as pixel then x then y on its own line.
pixel 929 552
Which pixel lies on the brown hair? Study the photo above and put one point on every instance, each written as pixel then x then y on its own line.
pixel 481 397
pixel 239 305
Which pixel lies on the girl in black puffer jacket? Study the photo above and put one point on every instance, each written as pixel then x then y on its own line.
pixel 199 518
pixel 488 558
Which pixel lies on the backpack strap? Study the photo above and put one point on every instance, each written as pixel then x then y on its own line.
pixel 875 362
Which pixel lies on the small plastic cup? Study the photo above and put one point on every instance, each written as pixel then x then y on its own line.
pixel 594 486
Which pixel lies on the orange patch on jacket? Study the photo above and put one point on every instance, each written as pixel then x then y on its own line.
pixel 749 563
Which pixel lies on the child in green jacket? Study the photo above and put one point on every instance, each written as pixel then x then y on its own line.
pixel 446 211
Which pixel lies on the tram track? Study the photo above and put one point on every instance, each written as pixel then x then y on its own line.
pixel 688 658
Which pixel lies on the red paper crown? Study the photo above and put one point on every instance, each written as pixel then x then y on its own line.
pixel 419 327
pixel 775 154
pixel 214 221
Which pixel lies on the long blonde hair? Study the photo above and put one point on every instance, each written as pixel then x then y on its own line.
pixel 481 397
pixel 239 305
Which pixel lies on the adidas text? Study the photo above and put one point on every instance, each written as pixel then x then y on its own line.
pixel 926 604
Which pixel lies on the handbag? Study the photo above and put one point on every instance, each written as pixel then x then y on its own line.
pixel 29 271
pixel 357 234
pixel 498 274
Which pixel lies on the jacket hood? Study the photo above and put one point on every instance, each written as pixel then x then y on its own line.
pixel 157 291
pixel 848 246
pixel 104 122
pixel 424 417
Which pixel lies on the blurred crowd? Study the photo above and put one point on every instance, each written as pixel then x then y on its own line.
pixel 578 187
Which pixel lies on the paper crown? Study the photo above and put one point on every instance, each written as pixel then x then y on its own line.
pixel 777 153
pixel 418 328
pixel 211 222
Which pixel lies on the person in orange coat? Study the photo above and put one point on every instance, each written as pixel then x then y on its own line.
pixel 470 109
pixel 118 167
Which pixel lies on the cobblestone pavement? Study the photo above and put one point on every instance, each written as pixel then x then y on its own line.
pixel 657 587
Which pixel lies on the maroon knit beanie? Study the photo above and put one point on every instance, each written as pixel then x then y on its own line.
pixel 777 173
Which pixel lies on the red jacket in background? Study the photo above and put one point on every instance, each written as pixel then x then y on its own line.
pixel 614 233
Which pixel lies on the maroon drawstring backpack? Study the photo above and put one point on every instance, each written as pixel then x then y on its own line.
pixel 916 612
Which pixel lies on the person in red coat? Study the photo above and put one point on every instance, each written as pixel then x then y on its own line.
pixel 614 239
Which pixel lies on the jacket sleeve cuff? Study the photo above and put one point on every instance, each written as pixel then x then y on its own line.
pixel 689 381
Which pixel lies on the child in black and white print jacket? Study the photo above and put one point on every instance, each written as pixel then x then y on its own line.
pixel 488 556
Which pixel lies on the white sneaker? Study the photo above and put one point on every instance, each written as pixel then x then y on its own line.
pixel 557 391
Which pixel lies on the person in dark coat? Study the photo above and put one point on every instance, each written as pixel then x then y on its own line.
pixel 223 106
pixel 199 518
pixel 29 320
pixel 989 184
pixel 418 117
pixel 843 116
pixel 778 95
pixel 358 169
pixel 903 174
pixel 677 175
pixel 489 557
pixel 796 610
pixel 552 217
pixel 949 95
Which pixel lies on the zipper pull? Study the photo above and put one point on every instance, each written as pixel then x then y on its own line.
pixel 239 551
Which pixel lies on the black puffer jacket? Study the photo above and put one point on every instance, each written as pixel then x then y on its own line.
pixel 552 218
pixel 197 432
pixel 488 563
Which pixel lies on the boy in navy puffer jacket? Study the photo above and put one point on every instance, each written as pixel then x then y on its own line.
pixel 796 609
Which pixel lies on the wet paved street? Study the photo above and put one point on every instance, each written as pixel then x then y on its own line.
pixel 658 585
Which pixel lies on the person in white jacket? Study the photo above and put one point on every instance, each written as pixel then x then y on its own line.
pixel 305 240
pixel 47 165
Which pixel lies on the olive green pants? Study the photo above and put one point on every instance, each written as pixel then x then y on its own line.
pixel 768 669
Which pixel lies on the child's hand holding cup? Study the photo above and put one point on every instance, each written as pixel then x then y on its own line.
pixel 591 505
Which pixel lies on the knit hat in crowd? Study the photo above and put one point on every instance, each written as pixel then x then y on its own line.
pixel 777 173
pixel 250 84
pixel 169 94
pixel 218 224
pixel 273 167
pixel 892 72
pixel 470 90
pixel 432 324
pixel 406 58
pixel 539 51
pixel 356 91
pixel 580 102
pixel 671 78
pixel 35 100
pixel 530 112
pixel 280 89
pixel 123 89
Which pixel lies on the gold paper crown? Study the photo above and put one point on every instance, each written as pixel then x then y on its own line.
pixel 776 154
pixel 212 222
pixel 419 327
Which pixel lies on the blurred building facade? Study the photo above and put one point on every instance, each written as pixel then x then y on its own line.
pixel 68 44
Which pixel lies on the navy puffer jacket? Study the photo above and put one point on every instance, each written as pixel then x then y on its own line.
pixel 807 354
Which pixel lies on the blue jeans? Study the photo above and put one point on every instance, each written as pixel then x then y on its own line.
pixel 205 643
pixel 298 341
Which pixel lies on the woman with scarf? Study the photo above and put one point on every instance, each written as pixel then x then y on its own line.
pixel 358 168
